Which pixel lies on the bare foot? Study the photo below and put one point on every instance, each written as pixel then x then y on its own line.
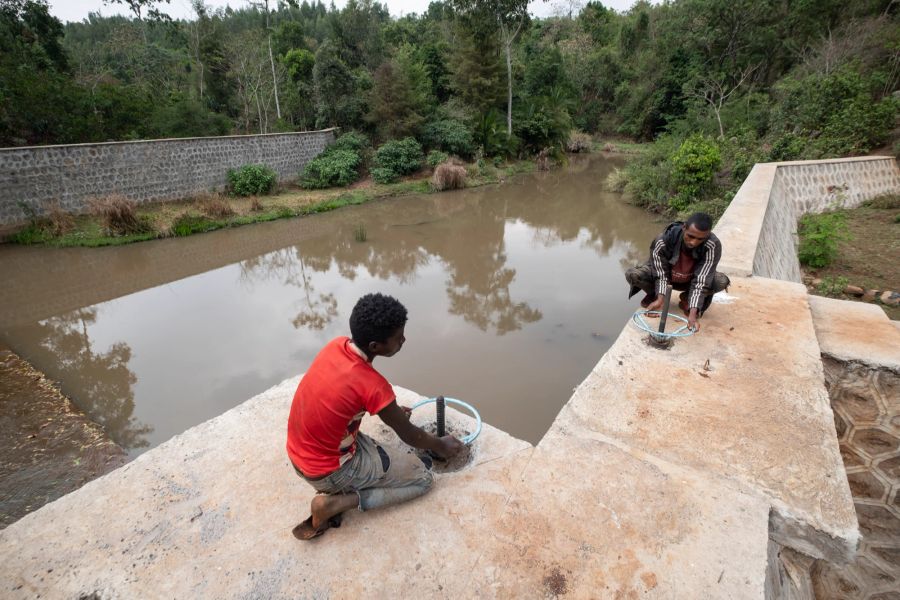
pixel 323 508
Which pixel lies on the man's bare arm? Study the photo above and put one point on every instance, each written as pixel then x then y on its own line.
pixel 395 417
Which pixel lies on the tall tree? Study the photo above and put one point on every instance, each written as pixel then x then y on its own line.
pixel 264 6
pixel 509 16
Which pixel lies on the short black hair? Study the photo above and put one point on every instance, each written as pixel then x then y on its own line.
pixel 700 220
pixel 375 318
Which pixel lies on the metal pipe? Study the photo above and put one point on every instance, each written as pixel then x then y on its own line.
pixel 439 406
pixel 665 310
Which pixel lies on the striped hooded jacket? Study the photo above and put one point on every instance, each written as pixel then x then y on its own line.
pixel 664 252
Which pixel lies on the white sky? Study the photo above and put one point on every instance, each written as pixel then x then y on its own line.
pixel 76 10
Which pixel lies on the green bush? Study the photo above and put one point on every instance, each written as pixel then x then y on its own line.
pixel 338 164
pixel 819 238
pixel 352 140
pixel 436 157
pixel 396 158
pixel 331 168
pixel 451 136
pixel 649 175
pixel 832 285
pixel 252 180
pixel 693 166
pixel 542 124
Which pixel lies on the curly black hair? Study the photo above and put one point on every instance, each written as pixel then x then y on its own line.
pixel 375 318
pixel 702 221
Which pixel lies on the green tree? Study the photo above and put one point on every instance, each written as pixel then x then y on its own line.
pixel 393 111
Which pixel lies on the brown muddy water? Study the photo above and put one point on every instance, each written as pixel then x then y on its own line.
pixel 514 292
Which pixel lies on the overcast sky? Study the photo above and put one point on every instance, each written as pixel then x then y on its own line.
pixel 76 10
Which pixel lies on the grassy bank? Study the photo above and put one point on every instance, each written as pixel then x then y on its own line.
pixel 866 256
pixel 218 211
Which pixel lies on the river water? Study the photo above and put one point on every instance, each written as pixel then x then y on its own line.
pixel 514 292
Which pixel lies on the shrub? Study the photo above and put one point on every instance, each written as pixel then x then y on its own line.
pixel 819 238
pixel 693 166
pixel 59 222
pixel 251 180
pixel 215 206
pixel 578 141
pixel 118 215
pixel 338 164
pixel 616 181
pixel 331 168
pixel 650 176
pixel 396 158
pixel 448 177
pixel 436 157
pixel 449 135
pixel 352 140
pixel 885 201
pixel 832 285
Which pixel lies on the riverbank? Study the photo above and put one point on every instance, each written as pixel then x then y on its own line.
pixel 219 211
pixel 50 447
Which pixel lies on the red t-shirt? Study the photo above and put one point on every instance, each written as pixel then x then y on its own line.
pixel 683 269
pixel 337 390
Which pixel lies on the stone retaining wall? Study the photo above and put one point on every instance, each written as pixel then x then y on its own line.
pixel 142 171
pixel 759 228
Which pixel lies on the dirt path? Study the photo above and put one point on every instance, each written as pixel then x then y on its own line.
pixel 49 447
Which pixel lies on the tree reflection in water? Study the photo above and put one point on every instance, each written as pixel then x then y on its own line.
pixel 317 309
pixel 100 384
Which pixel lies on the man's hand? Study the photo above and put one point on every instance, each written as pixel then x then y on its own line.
pixel 397 418
pixel 656 304
pixel 448 447
pixel 693 321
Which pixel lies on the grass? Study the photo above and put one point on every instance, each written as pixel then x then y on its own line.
pixel 619 146
pixel 208 212
pixel 868 259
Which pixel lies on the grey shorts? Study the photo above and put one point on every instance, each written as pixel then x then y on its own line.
pixel 379 476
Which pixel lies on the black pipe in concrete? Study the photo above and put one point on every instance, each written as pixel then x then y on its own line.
pixel 439 406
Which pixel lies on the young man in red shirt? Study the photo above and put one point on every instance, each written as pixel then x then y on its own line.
pixel 348 468
pixel 684 256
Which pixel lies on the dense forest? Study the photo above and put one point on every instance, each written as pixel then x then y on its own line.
pixel 716 84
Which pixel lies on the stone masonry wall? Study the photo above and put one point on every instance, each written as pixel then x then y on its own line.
pixel 143 171
pixel 814 186
pixel 776 255
pixel 866 405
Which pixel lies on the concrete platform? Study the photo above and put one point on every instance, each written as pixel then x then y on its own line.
pixel 857 332
pixel 745 400
pixel 209 513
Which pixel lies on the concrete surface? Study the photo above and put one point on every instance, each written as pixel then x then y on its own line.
pixel 744 399
pixel 854 331
pixel 209 513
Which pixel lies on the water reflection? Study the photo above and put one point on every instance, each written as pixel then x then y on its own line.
pixel 100 382
pixel 514 293
pixel 316 310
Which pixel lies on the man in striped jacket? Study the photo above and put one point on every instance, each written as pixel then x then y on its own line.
pixel 684 256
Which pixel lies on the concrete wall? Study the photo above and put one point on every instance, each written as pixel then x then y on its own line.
pixel 759 229
pixel 143 171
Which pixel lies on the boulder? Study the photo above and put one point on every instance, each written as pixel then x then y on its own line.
pixel 852 290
